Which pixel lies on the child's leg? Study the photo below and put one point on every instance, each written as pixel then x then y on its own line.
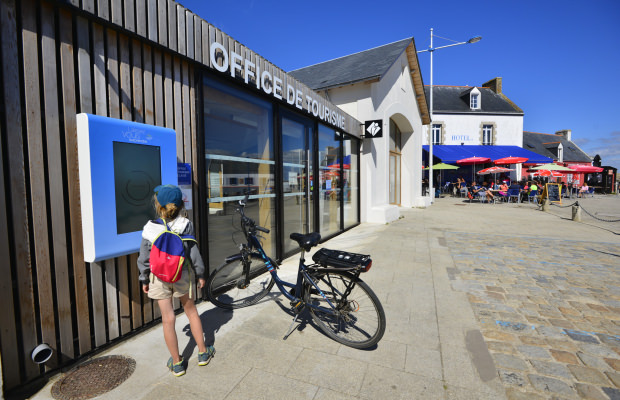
pixel 170 335
pixel 195 324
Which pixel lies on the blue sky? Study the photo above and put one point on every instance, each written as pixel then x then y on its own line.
pixel 559 60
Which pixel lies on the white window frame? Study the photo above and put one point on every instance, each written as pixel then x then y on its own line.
pixel 436 133
pixel 473 101
pixel 487 135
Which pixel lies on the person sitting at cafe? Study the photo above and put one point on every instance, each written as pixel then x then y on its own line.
pixel 503 190
pixel 488 193
pixel 463 187
pixel 478 190
pixel 584 190
pixel 523 191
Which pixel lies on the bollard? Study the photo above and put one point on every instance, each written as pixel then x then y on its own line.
pixel 545 205
pixel 576 213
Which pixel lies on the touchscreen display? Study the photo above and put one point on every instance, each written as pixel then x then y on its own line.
pixel 137 171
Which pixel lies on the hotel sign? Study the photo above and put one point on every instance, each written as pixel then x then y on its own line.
pixel 239 67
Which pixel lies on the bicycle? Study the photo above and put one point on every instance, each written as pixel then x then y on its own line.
pixel 340 303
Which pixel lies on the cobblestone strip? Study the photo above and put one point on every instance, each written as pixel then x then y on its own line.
pixel 549 311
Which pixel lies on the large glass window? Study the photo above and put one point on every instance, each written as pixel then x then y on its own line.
pixel 329 180
pixel 350 187
pixel 239 161
pixel 296 162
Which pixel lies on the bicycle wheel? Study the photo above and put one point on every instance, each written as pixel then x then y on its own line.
pixel 359 319
pixel 227 288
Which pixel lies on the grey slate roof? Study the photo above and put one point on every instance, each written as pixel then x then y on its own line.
pixel 546 145
pixel 455 99
pixel 358 67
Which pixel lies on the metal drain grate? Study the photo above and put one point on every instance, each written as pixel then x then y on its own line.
pixel 94 378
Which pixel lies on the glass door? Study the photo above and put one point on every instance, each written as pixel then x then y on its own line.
pixel 296 179
pixel 394 178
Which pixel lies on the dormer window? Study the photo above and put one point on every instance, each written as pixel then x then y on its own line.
pixel 560 153
pixel 474 99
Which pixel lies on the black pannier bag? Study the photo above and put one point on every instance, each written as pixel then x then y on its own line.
pixel 342 260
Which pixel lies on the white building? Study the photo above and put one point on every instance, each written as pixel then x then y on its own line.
pixel 464 115
pixel 383 83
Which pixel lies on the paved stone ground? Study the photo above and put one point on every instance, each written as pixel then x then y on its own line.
pixel 549 311
pixel 482 302
pixel 548 308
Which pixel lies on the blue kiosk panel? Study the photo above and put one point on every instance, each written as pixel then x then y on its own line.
pixel 121 162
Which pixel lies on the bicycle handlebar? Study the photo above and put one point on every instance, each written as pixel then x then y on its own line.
pixel 247 221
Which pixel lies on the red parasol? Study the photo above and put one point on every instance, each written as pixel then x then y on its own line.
pixel 473 160
pixel 586 169
pixel 546 172
pixel 510 160
pixel 493 170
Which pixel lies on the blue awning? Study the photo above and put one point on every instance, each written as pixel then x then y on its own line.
pixel 451 153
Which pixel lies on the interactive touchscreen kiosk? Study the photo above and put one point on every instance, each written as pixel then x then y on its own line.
pixel 120 162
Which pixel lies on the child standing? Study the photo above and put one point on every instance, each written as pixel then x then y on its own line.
pixel 168 201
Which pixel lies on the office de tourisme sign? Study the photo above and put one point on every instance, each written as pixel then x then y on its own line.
pixel 272 85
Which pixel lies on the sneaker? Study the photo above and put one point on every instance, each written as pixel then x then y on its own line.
pixel 205 357
pixel 177 369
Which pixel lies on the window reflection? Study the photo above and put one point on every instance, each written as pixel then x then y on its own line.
pixel 296 148
pixel 350 187
pixel 329 180
pixel 239 160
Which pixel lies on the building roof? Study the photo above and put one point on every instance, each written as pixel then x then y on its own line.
pixel 546 144
pixel 358 67
pixel 455 99
pixel 368 65
pixel 452 153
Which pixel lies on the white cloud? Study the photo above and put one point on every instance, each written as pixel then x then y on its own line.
pixel 608 147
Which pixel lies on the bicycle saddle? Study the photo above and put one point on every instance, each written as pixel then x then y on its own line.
pixel 306 241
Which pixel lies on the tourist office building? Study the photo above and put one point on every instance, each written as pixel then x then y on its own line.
pixel 242 125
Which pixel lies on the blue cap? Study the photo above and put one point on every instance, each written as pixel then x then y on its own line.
pixel 169 194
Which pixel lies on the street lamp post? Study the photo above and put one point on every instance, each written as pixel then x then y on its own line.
pixel 431 49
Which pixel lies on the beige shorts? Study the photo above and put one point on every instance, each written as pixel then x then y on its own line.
pixel 159 290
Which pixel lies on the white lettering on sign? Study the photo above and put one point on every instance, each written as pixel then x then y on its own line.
pixel 242 68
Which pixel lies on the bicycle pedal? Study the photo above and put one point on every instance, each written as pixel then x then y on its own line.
pixel 297 307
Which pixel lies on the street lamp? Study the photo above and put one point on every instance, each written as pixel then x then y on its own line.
pixel 431 49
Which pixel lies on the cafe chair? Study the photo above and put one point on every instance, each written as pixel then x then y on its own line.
pixel 533 194
pixel 591 192
pixel 513 194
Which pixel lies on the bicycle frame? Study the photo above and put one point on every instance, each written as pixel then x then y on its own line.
pixel 302 274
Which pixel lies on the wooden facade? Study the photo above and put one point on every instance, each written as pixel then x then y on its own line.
pixel 138 60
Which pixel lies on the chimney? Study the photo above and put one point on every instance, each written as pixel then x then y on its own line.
pixel 566 133
pixel 494 84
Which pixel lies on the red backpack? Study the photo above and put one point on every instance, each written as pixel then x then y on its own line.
pixel 168 254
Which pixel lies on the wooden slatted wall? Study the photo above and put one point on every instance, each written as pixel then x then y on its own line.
pixel 131 59
pixel 57 61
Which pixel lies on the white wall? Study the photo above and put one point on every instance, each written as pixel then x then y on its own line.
pixel 466 128
pixel 391 97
